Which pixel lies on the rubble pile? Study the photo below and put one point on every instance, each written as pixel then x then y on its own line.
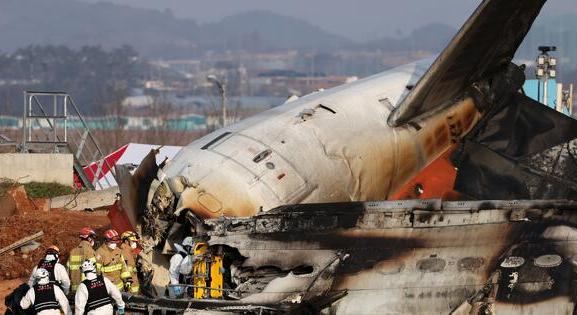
pixel 60 228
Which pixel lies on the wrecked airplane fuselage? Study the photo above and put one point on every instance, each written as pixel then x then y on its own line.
pixel 410 257
pixel 362 142
pixel 399 257
pixel 331 146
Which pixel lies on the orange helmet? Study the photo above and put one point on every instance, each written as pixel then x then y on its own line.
pixel 87 232
pixel 53 250
pixel 111 236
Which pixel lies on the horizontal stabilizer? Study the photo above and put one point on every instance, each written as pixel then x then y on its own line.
pixel 525 151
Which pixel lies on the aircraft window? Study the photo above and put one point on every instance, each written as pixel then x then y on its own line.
pixel 261 156
pixel 470 263
pixel 433 264
pixel 215 140
pixel 303 270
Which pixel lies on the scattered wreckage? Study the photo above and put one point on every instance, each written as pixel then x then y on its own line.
pixel 286 209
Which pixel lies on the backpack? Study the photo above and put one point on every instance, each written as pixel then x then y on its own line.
pixel 12 301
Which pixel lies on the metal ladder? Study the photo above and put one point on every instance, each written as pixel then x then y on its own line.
pixel 46 126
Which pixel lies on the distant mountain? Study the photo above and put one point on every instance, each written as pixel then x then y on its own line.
pixel 75 24
pixel 152 33
pixel 432 37
pixel 267 30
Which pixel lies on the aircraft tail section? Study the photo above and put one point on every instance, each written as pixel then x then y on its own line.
pixel 483 47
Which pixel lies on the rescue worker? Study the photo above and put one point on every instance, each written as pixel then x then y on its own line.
pixel 46 297
pixel 176 277
pixel 58 273
pixel 110 261
pixel 130 250
pixel 96 293
pixel 80 253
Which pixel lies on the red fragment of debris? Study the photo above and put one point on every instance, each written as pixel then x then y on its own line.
pixel 434 181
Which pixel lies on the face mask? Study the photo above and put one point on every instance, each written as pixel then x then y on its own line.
pixel 112 245
pixel 133 245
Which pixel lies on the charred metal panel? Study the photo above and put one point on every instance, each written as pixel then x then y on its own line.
pixel 432 266
pixel 386 259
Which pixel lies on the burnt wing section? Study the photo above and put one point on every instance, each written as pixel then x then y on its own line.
pixel 484 45
pixel 523 151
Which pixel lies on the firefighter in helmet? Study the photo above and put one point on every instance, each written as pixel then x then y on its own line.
pixel 110 261
pixel 130 249
pixel 84 251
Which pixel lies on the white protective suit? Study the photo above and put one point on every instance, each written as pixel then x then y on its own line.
pixel 60 274
pixel 82 297
pixel 174 269
pixel 28 301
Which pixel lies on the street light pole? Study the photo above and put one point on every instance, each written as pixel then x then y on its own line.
pixel 546 69
pixel 222 89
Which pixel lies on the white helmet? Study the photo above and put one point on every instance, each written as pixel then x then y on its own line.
pixel 88 266
pixel 187 241
pixel 41 273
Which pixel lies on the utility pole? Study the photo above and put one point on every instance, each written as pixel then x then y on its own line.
pixel 222 89
pixel 546 69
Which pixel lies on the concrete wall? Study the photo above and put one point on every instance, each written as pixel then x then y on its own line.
pixel 88 199
pixel 37 167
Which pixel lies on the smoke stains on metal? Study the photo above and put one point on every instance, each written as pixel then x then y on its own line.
pixel 530 282
pixel 365 252
pixel 470 263
pixel 432 264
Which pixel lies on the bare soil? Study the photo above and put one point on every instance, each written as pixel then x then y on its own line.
pixel 60 228
pixel 6 287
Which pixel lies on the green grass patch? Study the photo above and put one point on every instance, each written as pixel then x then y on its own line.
pixel 47 190
pixel 5 185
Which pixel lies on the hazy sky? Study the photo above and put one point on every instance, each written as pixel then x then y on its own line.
pixel 356 19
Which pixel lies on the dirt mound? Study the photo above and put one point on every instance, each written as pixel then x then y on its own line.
pixel 60 228
pixel 6 287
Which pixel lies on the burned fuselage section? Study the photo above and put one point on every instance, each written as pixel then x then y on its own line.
pixel 414 256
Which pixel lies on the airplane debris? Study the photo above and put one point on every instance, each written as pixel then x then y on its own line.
pixel 24 241
pixel 29 247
